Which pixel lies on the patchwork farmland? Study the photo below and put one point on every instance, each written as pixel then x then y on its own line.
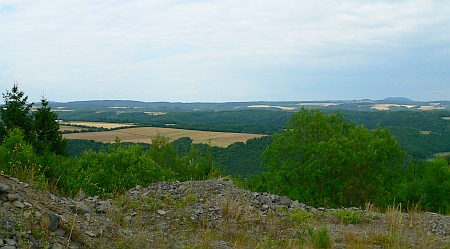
pixel 145 135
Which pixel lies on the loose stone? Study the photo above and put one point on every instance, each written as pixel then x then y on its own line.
pixel 3 187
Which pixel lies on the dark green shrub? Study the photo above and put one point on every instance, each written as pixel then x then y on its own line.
pixel 105 173
pixel 348 216
pixel 319 237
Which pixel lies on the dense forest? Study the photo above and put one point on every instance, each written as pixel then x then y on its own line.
pixel 327 157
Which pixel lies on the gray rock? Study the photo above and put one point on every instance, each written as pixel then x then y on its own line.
pixel 54 197
pixel 181 188
pixel 161 212
pixel 35 242
pixel 103 206
pixel 74 245
pixel 60 232
pixel 50 221
pixel 13 197
pixel 306 207
pixel 88 217
pixel 377 216
pixel 91 233
pixel 9 247
pixel 3 187
pixel 263 199
pixel 220 245
pixel 80 208
pixel 128 219
pixel 295 204
pixel 57 246
pixel 18 204
pixel 199 210
pixel 10 242
pixel 37 214
pixel 54 222
pixel 81 195
pixel 284 201
pixel 28 205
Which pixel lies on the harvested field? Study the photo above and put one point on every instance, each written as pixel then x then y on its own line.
pixel 318 104
pixel 145 135
pixel 97 124
pixel 272 106
pixel 431 107
pixel 426 107
pixel 386 107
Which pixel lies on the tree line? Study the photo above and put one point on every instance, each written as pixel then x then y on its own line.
pixel 420 133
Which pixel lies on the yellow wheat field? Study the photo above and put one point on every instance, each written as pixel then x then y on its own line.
pixel 145 135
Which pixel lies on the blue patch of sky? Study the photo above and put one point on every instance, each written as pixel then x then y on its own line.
pixel 6 8
pixel 3 67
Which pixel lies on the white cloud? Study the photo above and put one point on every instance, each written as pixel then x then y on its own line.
pixel 221 50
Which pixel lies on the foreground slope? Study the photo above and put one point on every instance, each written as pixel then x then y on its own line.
pixel 202 214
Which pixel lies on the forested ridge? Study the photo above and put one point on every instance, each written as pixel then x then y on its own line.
pixel 325 158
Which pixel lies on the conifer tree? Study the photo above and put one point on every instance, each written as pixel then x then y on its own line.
pixel 15 113
pixel 40 129
pixel 48 135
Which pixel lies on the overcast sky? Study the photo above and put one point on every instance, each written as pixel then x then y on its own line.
pixel 220 51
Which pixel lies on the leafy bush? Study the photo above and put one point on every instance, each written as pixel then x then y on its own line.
pixel 299 216
pixel 15 152
pixel 17 158
pixel 319 237
pixel 434 187
pixel 105 173
pixel 184 159
pixel 348 216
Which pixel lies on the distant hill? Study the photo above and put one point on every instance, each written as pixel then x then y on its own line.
pixel 396 100
pixel 127 106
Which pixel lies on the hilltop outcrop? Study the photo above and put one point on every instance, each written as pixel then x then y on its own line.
pixel 210 213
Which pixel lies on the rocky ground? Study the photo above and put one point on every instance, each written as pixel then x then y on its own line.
pixel 202 214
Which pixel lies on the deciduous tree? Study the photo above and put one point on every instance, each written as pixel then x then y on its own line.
pixel 325 161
